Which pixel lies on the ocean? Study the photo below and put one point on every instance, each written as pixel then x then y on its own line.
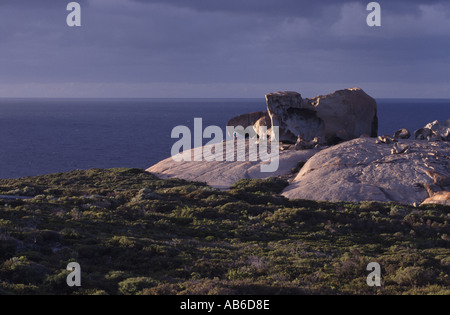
pixel 43 136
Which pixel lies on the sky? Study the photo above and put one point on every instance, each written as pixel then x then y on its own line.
pixel 223 48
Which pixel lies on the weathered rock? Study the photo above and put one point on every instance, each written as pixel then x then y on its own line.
pixel 224 174
pixel 340 116
pixel 432 189
pixel 385 139
pixel 423 134
pixel 247 120
pixel 402 134
pixel 439 179
pixel 435 131
pixel 361 170
pixel 303 144
pixel 440 129
pixel 347 114
pixel 294 117
pixel 264 121
pixel 399 149
pixel 442 197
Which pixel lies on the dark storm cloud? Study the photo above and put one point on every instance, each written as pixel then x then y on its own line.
pixel 243 48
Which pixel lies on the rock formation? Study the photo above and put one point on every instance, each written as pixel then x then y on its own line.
pixel 247 120
pixel 223 174
pixel 294 116
pixel 264 121
pixel 340 116
pixel 402 134
pixel 361 169
pixel 437 130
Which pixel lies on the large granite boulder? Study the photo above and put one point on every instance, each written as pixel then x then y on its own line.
pixel 340 116
pixel 407 171
pixel 223 174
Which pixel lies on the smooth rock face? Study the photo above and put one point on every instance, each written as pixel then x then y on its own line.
pixel 340 116
pixel 224 174
pixel 360 170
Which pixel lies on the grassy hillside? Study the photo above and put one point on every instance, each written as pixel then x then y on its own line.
pixel 135 234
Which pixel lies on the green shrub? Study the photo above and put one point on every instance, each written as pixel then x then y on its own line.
pixel 414 276
pixel 22 271
pixel 122 242
pixel 133 286
pixel 271 185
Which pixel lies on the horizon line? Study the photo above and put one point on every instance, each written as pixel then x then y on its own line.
pixel 189 98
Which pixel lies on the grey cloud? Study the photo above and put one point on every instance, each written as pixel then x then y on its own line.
pixel 175 42
pixel 285 7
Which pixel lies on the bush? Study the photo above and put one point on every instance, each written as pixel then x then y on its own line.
pixel 22 271
pixel 271 185
pixel 413 276
pixel 133 286
pixel 58 283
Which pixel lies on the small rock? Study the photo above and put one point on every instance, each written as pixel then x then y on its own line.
pixel 402 134
pixel 399 149
pixel 386 139
pixel 302 144
pixel 422 134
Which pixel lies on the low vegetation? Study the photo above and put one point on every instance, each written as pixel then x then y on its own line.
pixel 133 233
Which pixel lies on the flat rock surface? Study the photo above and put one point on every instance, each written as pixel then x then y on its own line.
pixel 223 174
pixel 360 170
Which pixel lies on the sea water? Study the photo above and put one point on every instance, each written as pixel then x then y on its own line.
pixel 42 136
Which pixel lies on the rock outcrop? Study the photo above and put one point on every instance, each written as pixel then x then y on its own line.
pixel 340 116
pixel 437 130
pixel 361 169
pixel 223 174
